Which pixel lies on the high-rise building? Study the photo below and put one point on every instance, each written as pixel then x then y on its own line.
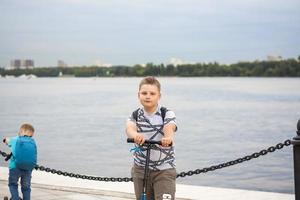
pixel 16 64
pixel 22 64
pixel 61 63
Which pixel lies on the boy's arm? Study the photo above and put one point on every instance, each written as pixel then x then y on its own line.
pixel 169 131
pixel 131 132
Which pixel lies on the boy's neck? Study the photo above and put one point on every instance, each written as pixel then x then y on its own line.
pixel 25 135
pixel 151 110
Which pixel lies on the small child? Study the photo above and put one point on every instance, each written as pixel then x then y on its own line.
pixel 22 161
pixel 153 122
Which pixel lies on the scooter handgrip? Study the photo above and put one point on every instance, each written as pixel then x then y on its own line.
pixel 130 140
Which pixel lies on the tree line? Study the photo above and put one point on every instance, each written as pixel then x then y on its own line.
pixel 283 68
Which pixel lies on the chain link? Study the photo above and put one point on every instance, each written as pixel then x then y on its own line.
pixel 181 174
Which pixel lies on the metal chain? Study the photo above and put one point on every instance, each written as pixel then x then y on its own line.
pixel 3 154
pixel 182 174
pixel 237 161
pixel 95 178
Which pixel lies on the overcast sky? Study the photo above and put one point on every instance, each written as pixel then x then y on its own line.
pixel 87 32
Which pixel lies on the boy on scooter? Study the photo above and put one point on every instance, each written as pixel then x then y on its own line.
pixel 153 122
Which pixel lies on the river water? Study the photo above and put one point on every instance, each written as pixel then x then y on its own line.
pixel 80 125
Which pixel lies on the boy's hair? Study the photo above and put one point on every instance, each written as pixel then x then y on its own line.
pixel 27 127
pixel 150 80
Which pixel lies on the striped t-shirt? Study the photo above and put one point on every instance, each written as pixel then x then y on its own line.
pixel 151 126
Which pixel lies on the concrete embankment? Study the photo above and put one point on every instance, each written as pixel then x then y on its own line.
pixel 51 186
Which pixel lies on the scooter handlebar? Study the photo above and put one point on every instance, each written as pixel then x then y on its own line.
pixel 131 140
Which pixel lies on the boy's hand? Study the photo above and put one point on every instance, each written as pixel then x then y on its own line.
pixel 139 139
pixel 166 141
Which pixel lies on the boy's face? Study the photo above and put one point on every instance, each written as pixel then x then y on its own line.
pixel 149 96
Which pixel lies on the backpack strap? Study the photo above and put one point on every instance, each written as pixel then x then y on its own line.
pixel 135 114
pixel 163 111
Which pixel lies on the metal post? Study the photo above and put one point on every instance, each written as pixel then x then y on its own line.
pixel 296 149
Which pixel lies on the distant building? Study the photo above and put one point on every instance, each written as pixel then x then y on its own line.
pixel 27 63
pixel 16 64
pixel 61 63
pixel 99 63
pixel 274 58
pixel 175 61
pixel 21 64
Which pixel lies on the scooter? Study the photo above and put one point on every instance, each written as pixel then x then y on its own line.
pixel 148 144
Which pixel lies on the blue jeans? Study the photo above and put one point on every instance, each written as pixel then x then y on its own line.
pixel 14 175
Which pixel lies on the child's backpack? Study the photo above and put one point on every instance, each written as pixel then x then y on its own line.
pixel 25 154
pixel 163 111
